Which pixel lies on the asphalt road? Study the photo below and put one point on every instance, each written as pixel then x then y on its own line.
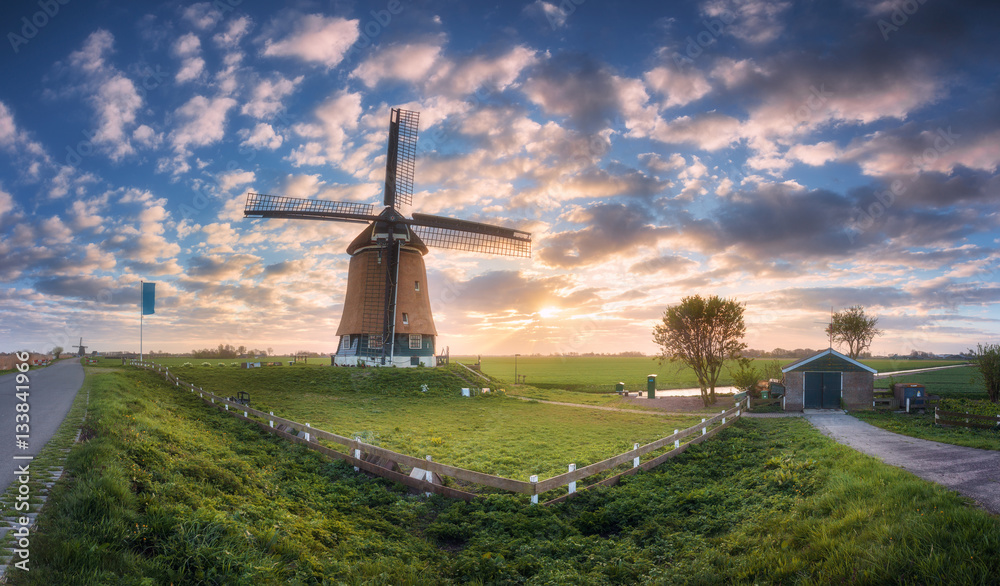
pixel 971 472
pixel 51 393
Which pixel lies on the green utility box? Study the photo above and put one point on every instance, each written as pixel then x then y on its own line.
pixel 620 388
pixel 651 386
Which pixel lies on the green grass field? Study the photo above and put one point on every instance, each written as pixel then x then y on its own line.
pixel 598 374
pixel 386 407
pixel 951 382
pixel 163 490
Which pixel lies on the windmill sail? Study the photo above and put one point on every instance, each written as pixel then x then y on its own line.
pixel 471 236
pixel 260 205
pixel 401 157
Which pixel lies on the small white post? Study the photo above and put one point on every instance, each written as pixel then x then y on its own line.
pixel 703 429
pixel 907 404
pixel 271 421
pixel 357 452
pixel 227 406
pixel 572 485
pixel 635 461
pixel 306 432
pixel 213 400
pixel 246 415
pixel 533 479
pixel 677 442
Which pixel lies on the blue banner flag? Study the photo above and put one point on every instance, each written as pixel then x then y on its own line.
pixel 148 298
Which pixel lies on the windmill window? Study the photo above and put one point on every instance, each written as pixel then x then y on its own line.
pixel 346 343
pixel 416 341
pixel 406 319
pixel 416 285
pixel 375 342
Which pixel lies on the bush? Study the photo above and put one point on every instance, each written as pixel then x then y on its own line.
pixel 186 364
pixel 206 364
pixel 223 364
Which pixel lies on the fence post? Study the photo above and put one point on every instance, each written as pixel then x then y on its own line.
pixel 572 485
pixel 936 415
pixel 635 461
pixel 428 476
pixel 533 479
pixel 306 432
pixel 907 404
pixel 357 452
pixel 271 421
pixel 677 442
pixel 703 427
pixel 723 417
pixel 227 406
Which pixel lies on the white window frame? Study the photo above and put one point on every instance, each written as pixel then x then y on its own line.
pixel 416 285
pixel 346 343
pixel 418 339
pixel 406 319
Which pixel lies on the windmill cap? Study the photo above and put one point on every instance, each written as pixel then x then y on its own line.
pixel 366 237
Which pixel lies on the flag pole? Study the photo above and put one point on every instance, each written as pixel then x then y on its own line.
pixel 141 301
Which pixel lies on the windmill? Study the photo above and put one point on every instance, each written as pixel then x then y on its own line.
pixel 81 350
pixel 387 315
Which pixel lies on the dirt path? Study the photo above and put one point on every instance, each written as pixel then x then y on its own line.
pixel 971 472
pixel 919 370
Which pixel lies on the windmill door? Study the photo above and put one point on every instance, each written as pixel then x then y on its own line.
pixel 822 390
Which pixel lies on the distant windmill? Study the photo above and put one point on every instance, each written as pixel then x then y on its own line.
pixel 81 350
pixel 387 313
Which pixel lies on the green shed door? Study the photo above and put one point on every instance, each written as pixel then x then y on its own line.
pixel 822 390
pixel 813 390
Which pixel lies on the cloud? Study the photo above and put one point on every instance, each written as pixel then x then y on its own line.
pixel 188 48
pixel 202 15
pixel 227 181
pixel 470 74
pixel 234 33
pixel 553 14
pixel 267 96
pixel 202 121
pixel 314 38
pixel 710 131
pixel 670 263
pixel 589 94
pixel 610 230
pixel 410 62
pixel 262 136
pixel 113 96
pixel 336 118
pixel 658 164
pixel 754 21
pixel 814 154
pixel 677 86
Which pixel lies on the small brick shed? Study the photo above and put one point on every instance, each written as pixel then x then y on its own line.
pixel 823 380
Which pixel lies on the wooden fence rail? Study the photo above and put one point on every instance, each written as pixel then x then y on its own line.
pixel 957 419
pixel 382 462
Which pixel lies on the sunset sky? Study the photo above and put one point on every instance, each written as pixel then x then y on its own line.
pixel 795 156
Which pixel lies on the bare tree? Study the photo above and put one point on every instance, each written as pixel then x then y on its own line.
pixel 56 352
pixel 703 334
pixel 854 328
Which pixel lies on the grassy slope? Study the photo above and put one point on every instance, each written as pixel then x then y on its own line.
pixel 598 374
pixel 386 407
pixel 951 382
pixel 166 490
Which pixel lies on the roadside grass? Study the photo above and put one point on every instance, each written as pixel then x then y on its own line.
pixel 164 491
pixel 386 407
pixel 598 374
pixel 922 426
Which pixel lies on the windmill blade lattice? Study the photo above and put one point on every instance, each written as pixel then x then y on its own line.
pixel 261 205
pixel 471 236
pixel 401 157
